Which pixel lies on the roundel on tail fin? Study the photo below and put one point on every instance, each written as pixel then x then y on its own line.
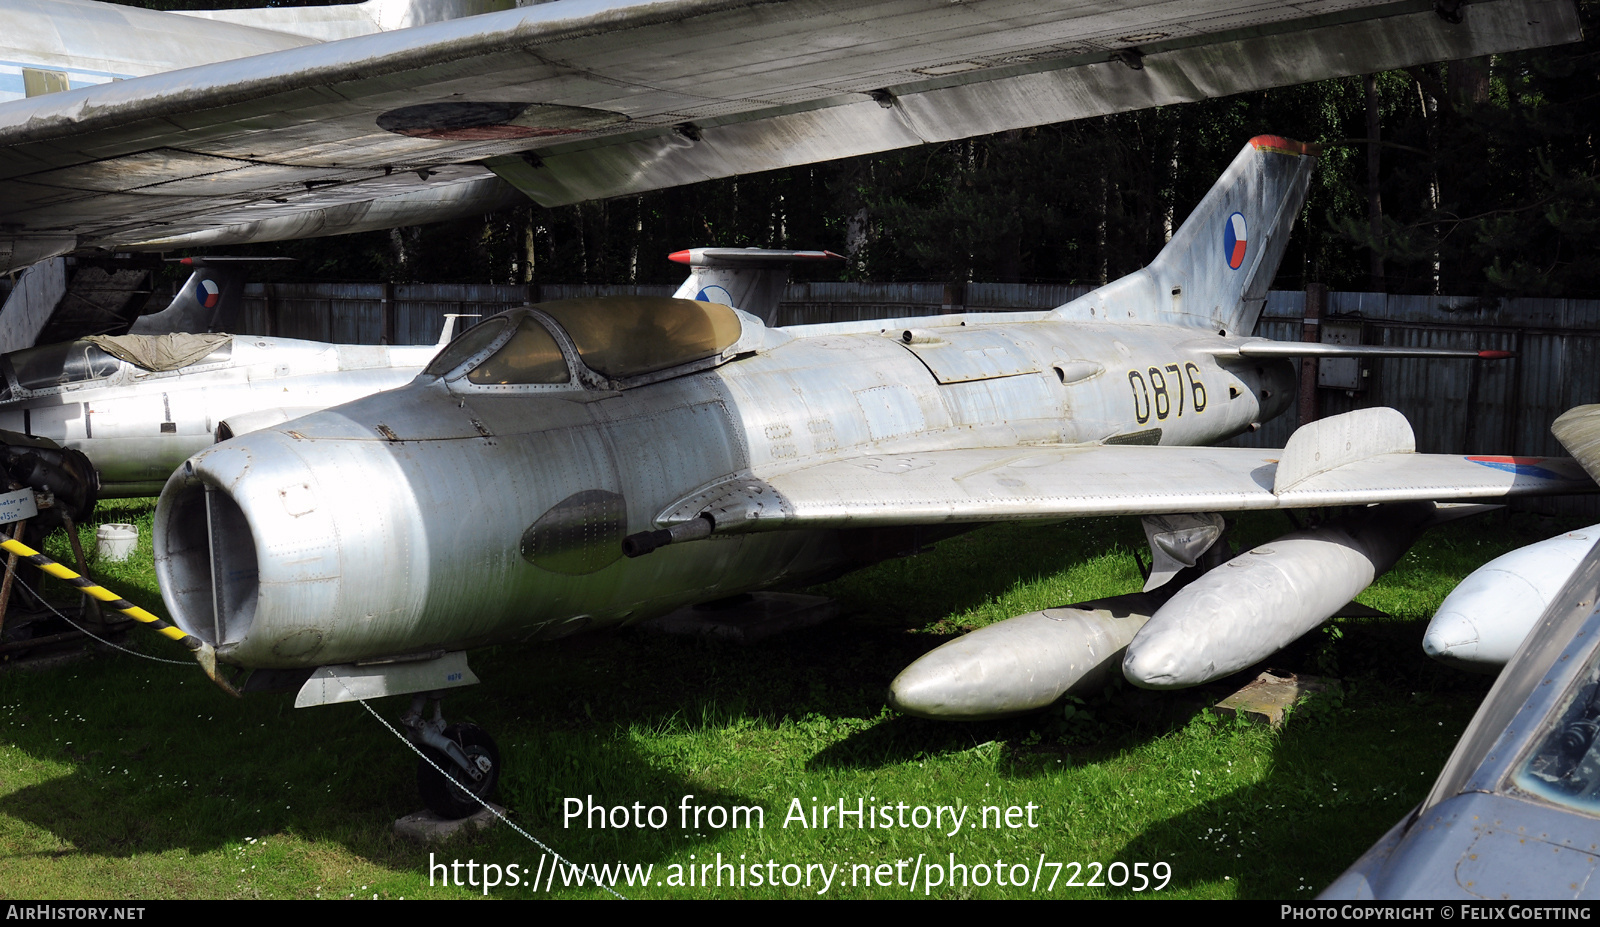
pixel 715 294
pixel 207 292
pixel 1233 240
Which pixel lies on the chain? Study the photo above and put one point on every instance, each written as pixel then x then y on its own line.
pixel 407 741
pixel 58 614
pixel 402 738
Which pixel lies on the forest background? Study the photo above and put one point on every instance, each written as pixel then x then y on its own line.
pixel 1469 178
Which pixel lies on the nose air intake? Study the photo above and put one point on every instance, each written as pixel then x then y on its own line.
pixel 206 561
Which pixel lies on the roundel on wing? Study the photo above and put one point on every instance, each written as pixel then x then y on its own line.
pixel 714 294
pixel 467 121
pixel 1233 240
pixel 208 293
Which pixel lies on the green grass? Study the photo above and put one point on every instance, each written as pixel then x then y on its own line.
pixel 123 779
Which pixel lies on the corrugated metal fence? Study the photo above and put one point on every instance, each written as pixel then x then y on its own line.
pixel 358 313
pixel 1456 406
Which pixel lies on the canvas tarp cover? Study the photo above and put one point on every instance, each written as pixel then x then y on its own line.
pixel 160 352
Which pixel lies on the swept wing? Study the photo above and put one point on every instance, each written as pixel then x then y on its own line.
pixel 575 100
pixel 1358 458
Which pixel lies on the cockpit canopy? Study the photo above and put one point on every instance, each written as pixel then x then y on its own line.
pixel 619 338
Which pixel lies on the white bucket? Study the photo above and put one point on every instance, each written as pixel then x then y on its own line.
pixel 115 542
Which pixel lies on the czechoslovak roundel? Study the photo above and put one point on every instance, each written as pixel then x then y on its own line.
pixel 1233 240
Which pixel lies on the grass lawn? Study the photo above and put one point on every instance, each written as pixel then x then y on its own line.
pixel 122 778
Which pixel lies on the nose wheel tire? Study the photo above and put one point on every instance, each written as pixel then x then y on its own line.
pixel 451 796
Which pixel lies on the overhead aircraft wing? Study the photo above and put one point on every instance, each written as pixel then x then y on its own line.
pixel 1354 459
pixel 581 99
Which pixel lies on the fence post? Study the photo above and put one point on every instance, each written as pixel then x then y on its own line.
pixel 1311 330
pixel 955 298
pixel 387 304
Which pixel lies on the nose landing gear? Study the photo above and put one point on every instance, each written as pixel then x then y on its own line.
pixel 464 760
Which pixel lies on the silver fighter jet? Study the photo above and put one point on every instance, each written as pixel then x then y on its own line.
pixel 139 405
pixel 592 463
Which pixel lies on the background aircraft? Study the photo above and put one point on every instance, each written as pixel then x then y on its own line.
pixel 500 490
pixel 137 405
pixel 127 128
pixel 1513 813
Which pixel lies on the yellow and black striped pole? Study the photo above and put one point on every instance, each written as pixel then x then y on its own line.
pixel 203 651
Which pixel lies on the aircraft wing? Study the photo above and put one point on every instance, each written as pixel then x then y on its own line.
pixel 1354 459
pixel 582 99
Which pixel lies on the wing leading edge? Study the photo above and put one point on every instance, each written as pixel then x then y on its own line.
pixel 1354 459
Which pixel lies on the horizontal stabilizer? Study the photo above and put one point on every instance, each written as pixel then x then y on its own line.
pixel 751 279
pixel 1317 349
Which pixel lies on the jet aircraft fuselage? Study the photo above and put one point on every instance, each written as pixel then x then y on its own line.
pixel 496 511
pixel 494 497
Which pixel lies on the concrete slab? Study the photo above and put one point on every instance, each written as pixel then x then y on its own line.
pixel 427 827
pixel 1268 698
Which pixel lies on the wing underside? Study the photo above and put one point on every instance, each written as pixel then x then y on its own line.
pixel 575 100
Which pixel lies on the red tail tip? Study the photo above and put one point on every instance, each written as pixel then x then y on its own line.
pixel 682 257
pixel 1283 145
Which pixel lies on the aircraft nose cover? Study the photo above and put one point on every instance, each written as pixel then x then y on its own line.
pixel 290 568
pixel 1451 638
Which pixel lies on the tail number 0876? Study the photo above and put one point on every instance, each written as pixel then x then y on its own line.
pixel 1157 394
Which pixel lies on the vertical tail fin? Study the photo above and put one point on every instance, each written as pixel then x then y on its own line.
pixel 751 279
pixel 448 332
pixel 1215 271
pixel 211 300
